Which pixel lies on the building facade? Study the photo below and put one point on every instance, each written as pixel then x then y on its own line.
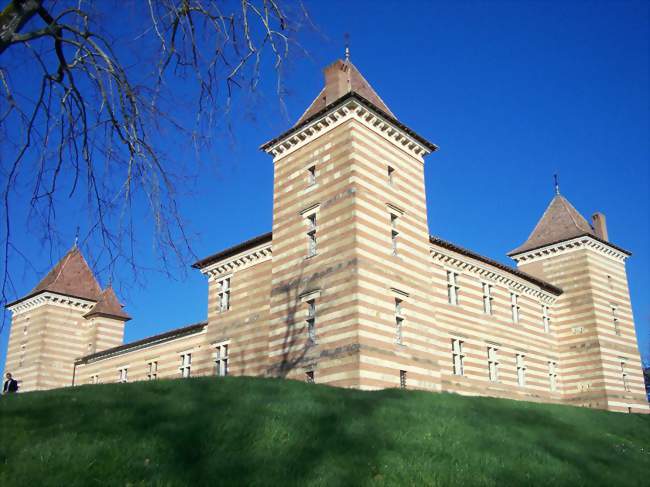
pixel 350 289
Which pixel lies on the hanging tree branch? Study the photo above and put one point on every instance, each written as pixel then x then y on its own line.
pixel 78 118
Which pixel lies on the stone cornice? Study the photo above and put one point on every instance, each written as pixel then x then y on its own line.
pixel 48 297
pixel 238 262
pixel 351 108
pixel 578 243
pixel 483 271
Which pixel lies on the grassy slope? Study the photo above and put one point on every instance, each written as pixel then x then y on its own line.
pixel 207 431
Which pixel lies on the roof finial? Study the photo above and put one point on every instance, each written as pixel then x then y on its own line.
pixel 347 47
pixel 76 238
pixel 557 183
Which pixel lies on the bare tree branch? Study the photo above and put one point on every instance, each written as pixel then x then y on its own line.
pixel 85 130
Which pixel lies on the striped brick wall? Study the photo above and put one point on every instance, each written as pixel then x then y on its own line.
pixel 468 322
pixel 331 274
pixel 166 355
pixel 591 346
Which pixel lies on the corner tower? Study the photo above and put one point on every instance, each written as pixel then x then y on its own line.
pixel 351 266
pixel 67 315
pixel 599 356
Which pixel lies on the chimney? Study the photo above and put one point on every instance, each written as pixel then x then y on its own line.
pixel 600 226
pixel 337 83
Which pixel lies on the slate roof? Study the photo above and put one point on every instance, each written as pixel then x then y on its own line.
pixel 561 221
pixel 355 82
pixel 108 305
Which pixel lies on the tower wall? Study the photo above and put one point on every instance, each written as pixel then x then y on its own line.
pixel 385 204
pixel 330 275
pixel 56 334
pixel 103 332
pixel 593 340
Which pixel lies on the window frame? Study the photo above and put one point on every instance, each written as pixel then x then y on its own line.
pixel 453 287
pixel 186 364
pixel 152 373
pixel 488 299
pixel 123 374
pixel 311 175
pixel 221 358
pixel 546 318
pixel 458 357
pixel 310 377
pixel 515 308
pixel 552 375
pixel 493 363
pixel 224 293
pixel 520 362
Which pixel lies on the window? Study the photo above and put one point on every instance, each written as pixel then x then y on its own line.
pixel 493 364
pixel 402 379
pixel 514 305
pixel 309 377
pixel 391 175
pixel 221 359
pixel 626 382
pixel 153 370
pixel 311 320
pixel 546 319
pixel 311 235
pixel 617 330
pixel 223 294
pixel 458 356
pixel 123 374
pixel 552 375
pixel 186 364
pixel 487 298
pixel 399 321
pixel 394 233
pixel 452 287
pixel 94 379
pixel 521 370
pixel 311 175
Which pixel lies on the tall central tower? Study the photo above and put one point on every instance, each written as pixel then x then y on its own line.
pixel 350 279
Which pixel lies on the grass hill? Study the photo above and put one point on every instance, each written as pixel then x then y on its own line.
pixel 245 431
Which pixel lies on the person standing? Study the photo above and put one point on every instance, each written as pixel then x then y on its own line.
pixel 10 385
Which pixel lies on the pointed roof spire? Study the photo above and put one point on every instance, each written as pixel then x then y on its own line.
pixel 71 276
pixel 561 221
pixel 557 183
pixel 108 305
pixel 342 77
pixel 347 47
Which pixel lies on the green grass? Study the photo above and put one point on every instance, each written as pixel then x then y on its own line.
pixel 242 431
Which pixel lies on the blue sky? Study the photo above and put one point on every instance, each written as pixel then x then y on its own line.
pixel 512 92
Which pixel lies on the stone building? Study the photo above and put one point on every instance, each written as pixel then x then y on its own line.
pixel 350 289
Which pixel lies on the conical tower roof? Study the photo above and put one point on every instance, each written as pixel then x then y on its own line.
pixel 108 305
pixel 341 78
pixel 561 221
pixel 71 276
